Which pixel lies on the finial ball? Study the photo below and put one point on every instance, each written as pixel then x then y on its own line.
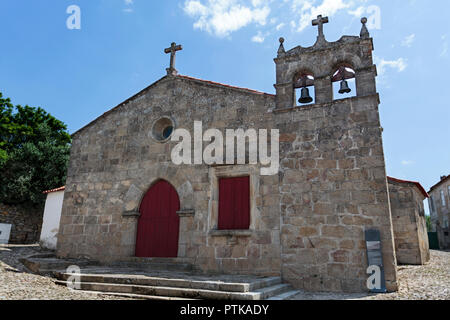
pixel 281 40
pixel 364 20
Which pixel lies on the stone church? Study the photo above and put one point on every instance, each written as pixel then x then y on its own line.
pixel 126 198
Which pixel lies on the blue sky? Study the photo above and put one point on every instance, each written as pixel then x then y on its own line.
pixel 76 75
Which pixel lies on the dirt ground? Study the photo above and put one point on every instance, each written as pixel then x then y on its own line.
pixel 17 283
pixel 429 282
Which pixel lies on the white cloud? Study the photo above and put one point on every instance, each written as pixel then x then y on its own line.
pixel 359 12
pixel 407 162
pixel 222 17
pixel 128 3
pixel 280 26
pixel 400 65
pixel 409 40
pixel 259 38
pixel 309 12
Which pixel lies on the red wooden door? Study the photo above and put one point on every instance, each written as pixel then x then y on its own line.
pixel 234 203
pixel 158 226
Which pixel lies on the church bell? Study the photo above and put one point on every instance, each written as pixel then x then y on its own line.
pixel 305 97
pixel 344 87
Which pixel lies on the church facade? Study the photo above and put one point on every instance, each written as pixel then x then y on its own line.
pixel 126 198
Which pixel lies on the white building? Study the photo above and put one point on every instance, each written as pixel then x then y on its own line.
pixel 5 232
pixel 52 217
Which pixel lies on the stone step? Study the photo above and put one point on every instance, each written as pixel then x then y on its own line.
pixel 131 260
pixel 260 294
pixel 175 283
pixel 266 293
pixel 285 295
pixel 180 267
pixel 134 296
pixel 155 265
pixel 46 265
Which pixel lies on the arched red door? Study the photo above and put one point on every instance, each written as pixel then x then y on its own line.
pixel 158 226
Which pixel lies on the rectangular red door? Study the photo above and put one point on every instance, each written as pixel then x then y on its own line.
pixel 234 203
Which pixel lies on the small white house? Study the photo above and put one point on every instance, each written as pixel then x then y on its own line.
pixel 52 217
pixel 5 232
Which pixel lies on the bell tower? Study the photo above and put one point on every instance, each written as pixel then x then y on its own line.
pixel 317 67
pixel 332 162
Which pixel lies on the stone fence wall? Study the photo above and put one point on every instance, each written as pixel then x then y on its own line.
pixel 26 223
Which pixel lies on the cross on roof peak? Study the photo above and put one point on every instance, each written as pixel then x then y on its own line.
pixel 320 21
pixel 172 50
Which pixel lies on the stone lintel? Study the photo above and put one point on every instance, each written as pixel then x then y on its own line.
pixel 283 85
pixel 186 213
pixel 231 233
pixel 131 214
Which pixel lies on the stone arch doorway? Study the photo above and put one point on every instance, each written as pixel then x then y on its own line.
pixel 158 225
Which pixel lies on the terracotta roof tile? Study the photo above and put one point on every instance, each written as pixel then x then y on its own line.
pixel 54 190
pixel 224 85
pixel 163 78
pixel 418 185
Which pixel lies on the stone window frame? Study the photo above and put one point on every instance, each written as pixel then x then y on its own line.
pixel 157 136
pixel 432 205
pixel 232 171
pixel 445 222
pixel 448 196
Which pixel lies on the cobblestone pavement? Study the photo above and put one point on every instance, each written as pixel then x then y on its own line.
pixel 16 283
pixel 429 282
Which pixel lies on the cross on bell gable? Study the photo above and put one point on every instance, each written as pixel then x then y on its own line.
pixel 320 21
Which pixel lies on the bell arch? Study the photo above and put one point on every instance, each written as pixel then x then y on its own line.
pixel 303 87
pixel 347 59
pixel 343 81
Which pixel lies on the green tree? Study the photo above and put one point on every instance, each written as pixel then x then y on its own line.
pixel 429 227
pixel 34 152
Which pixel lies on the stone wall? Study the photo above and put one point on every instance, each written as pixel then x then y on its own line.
pixel 441 215
pixel 26 223
pixel 408 218
pixel 333 188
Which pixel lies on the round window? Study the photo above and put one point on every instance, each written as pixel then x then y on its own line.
pixel 162 129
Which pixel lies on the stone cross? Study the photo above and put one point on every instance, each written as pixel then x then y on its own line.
pixel 320 21
pixel 172 50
